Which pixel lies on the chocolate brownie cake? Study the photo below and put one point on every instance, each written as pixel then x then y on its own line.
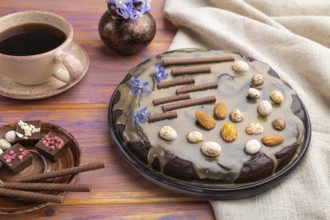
pixel 208 116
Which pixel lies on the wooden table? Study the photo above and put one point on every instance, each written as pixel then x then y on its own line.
pixel 119 192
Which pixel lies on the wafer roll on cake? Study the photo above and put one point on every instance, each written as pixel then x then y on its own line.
pixel 217 118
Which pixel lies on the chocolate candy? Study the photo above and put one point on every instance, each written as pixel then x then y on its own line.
pixel 16 158
pixel 28 133
pixel 52 146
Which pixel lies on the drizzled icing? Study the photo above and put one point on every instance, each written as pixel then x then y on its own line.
pixel 232 90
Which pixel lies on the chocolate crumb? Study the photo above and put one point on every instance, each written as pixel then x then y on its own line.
pixel 49 212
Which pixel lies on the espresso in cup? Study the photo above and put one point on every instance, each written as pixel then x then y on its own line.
pixel 36 46
pixel 30 39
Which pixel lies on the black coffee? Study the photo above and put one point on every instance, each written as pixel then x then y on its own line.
pixel 30 39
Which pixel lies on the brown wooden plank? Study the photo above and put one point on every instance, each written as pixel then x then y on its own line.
pixel 107 68
pixel 118 191
pixel 150 211
pixel 96 145
pixel 117 183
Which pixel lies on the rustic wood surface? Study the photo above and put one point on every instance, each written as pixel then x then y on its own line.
pixel 118 192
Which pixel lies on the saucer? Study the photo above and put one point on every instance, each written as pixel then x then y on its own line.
pixel 13 90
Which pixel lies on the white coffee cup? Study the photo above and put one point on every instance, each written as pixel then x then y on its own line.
pixel 40 68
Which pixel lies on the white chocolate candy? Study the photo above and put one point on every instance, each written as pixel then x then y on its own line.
pixel 236 115
pixel 277 97
pixel 257 80
pixel 265 108
pixel 10 136
pixel 1 151
pixel 4 144
pixel 28 129
pixel 195 137
pixel 254 129
pixel 211 149
pixel 168 133
pixel 19 135
pixel 253 93
pixel 252 147
pixel 240 66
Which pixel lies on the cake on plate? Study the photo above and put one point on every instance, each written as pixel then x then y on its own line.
pixel 208 116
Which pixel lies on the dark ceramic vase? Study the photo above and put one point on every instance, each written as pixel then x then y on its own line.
pixel 126 37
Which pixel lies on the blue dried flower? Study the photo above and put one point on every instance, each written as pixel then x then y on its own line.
pixel 138 87
pixel 160 74
pixel 128 10
pixel 146 5
pixel 141 116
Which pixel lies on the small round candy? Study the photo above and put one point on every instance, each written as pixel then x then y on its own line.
pixel 279 124
pixel 240 66
pixel 4 144
pixel 211 149
pixel 229 132
pixel 257 80
pixel 277 97
pixel 252 146
pixel 253 93
pixel 254 129
pixel 1 151
pixel 265 108
pixel 236 115
pixel 195 137
pixel 10 136
pixel 168 133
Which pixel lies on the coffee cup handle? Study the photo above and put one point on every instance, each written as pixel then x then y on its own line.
pixel 72 64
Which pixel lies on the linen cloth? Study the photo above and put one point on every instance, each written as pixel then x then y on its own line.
pixel 293 37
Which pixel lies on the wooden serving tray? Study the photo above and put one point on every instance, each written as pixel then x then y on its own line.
pixel 40 164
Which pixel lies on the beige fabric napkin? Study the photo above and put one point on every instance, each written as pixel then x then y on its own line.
pixel 293 36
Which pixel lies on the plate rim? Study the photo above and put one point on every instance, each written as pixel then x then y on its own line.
pixel 204 192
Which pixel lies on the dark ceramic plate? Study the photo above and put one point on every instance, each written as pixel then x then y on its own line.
pixel 210 191
pixel 40 164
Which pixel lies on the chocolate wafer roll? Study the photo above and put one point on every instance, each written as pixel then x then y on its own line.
pixel 63 172
pixel 189 103
pixel 190 70
pixel 62 187
pixel 170 99
pixel 175 82
pixel 30 196
pixel 162 116
pixel 175 61
pixel 196 88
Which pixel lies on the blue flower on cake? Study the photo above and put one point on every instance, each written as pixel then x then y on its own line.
pixel 141 116
pixel 160 74
pixel 138 87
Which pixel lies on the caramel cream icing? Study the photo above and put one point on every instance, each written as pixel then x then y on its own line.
pixel 232 90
